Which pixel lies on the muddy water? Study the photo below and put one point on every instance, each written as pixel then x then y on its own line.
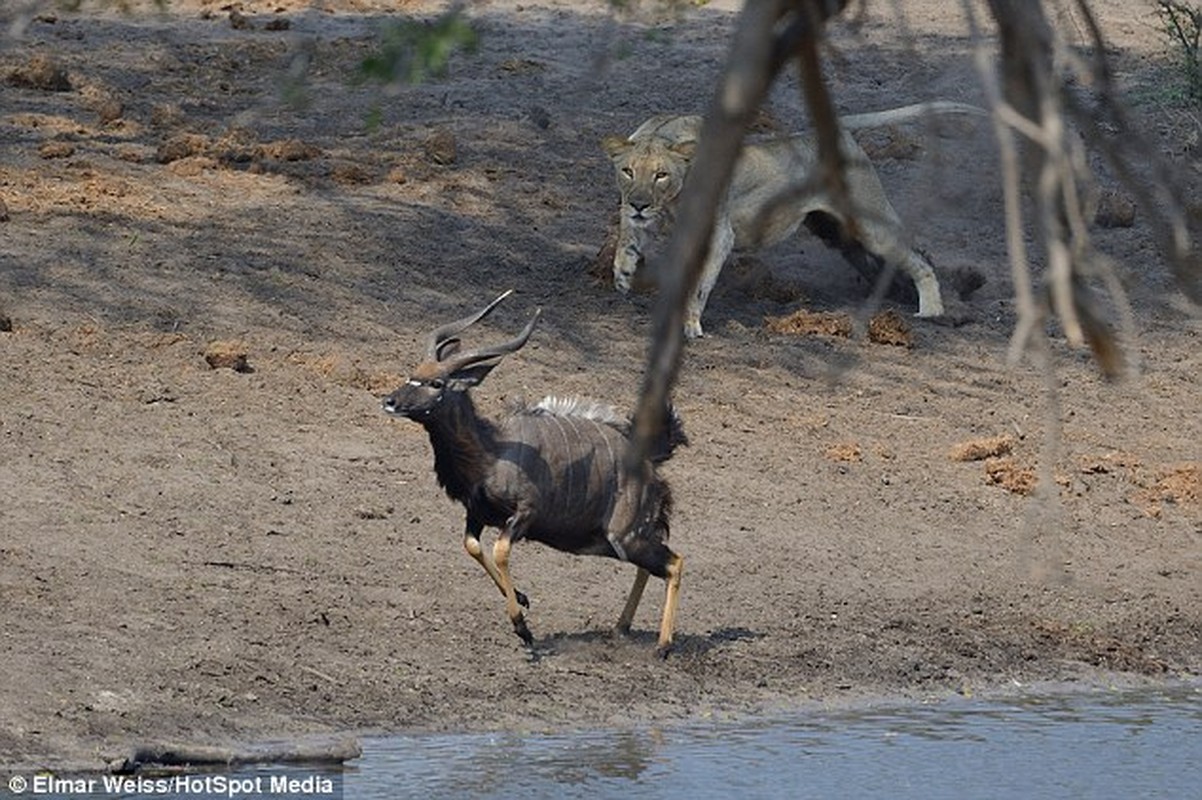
pixel 1109 745
pixel 1100 745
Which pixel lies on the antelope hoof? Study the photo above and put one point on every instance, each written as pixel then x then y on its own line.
pixel 519 627
pixel 662 651
pixel 522 601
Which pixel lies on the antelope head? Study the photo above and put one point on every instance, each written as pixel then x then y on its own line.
pixel 445 369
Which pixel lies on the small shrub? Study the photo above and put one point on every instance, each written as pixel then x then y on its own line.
pixel 411 51
pixel 1182 24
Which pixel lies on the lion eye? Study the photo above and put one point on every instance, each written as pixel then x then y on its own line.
pixel 628 172
pixel 661 176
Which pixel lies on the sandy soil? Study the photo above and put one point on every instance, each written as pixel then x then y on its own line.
pixel 211 554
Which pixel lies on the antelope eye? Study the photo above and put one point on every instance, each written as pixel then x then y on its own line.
pixel 437 383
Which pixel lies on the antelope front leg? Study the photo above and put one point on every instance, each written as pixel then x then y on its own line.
pixel 632 602
pixel 500 555
pixel 471 543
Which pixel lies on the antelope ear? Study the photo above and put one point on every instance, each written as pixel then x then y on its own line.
pixel 447 349
pixel 467 377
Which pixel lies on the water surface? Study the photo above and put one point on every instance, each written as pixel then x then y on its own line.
pixel 1095 745
pixel 1115 745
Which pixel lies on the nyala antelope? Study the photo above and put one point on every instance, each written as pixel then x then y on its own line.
pixel 552 472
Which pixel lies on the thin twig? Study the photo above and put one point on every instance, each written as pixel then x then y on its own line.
pixel 1030 317
pixel 750 69
pixel 322 675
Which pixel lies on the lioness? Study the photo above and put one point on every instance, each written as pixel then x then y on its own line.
pixel 651 164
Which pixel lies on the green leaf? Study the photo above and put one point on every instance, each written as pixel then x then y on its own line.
pixel 412 52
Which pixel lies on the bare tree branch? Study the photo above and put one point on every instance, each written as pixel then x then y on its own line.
pixel 1047 159
pixel 1006 121
pixel 750 69
pixel 767 35
pixel 832 161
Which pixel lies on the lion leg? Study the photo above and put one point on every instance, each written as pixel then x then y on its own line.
pixel 721 243
pixel 628 254
pixel 885 240
pixel 930 301
pixel 881 232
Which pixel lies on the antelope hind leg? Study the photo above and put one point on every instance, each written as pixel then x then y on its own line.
pixel 671 599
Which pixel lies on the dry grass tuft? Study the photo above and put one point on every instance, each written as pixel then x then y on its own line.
pixel 1179 484
pixel 1011 476
pixel 811 323
pixel 227 355
pixel 844 451
pixel 979 449
pixel 889 327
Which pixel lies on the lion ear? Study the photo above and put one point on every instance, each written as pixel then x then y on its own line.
pixel 685 149
pixel 615 146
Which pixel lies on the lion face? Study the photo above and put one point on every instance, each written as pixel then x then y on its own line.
pixel 650 174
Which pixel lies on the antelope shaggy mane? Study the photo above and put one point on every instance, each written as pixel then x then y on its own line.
pixel 553 472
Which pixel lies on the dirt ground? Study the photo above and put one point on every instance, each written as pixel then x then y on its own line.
pixel 253 550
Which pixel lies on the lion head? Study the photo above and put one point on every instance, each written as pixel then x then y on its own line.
pixel 650 173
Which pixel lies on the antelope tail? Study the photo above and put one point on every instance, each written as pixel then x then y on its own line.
pixel 671 436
